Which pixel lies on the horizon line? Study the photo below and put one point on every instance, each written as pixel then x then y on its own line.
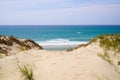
pixel 67 25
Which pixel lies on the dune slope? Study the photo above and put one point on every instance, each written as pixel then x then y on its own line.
pixel 83 63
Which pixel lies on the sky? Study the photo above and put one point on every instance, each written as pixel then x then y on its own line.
pixel 59 12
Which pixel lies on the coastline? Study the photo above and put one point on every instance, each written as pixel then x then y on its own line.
pixel 59 47
pixel 86 62
pixel 60 44
pixel 79 64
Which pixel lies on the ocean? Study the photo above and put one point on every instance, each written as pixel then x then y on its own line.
pixel 59 37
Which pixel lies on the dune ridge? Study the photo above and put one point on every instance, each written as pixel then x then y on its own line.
pixel 10 45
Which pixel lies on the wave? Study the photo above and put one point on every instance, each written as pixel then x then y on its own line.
pixel 60 42
pixel 79 32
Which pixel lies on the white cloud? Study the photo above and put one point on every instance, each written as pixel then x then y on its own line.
pixel 57 12
pixel 24 3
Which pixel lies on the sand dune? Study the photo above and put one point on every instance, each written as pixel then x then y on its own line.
pixel 79 64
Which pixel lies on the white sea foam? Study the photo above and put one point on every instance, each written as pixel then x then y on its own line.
pixel 79 32
pixel 60 42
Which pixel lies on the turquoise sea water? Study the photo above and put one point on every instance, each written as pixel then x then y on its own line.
pixel 59 36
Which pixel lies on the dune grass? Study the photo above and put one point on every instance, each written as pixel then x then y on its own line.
pixel 110 42
pixel 70 49
pixel 0 55
pixel 105 57
pixel 118 63
pixel 26 71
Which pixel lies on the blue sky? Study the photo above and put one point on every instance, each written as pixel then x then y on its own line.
pixel 59 12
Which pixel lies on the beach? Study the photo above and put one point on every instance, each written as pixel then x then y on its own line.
pixel 82 63
pixel 59 53
pixel 59 37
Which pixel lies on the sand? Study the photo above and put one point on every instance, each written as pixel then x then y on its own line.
pixel 80 64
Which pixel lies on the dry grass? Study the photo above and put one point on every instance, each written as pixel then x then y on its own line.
pixel 118 63
pixel 105 57
pixel 26 71
pixel 109 42
pixel 70 49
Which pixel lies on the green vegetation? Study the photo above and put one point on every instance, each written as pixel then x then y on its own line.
pixel 110 42
pixel 105 57
pixel 118 63
pixel 0 55
pixel 26 71
pixel 79 46
pixel 5 40
pixel 94 40
pixel 23 45
pixel 70 49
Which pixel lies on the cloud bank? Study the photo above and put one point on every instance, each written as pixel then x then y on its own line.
pixel 59 12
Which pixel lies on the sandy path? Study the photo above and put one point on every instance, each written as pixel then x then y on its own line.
pixel 81 64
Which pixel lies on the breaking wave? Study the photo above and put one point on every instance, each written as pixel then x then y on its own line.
pixel 60 42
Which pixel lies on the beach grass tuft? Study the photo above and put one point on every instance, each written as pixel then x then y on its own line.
pixel 26 71
pixel 105 57
pixel 110 42
pixel 118 63
pixel 70 49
